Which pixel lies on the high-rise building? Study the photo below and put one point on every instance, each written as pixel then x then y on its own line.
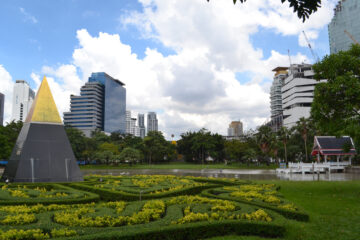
pixel 87 110
pixel 235 129
pixel 152 122
pixel 101 105
pixel 128 122
pixel 298 93
pixel 23 97
pixel 141 124
pixel 276 99
pixel 346 18
pixel 2 100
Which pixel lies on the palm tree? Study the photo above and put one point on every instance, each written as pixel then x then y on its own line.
pixel 265 139
pixel 284 137
pixel 303 126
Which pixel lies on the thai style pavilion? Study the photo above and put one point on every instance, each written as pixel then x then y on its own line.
pixel 328 146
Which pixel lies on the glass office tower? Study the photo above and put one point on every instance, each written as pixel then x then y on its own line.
pixel 346 18
pixel 110 103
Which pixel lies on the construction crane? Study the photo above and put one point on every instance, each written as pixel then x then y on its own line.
pixel 351 37
pixel 315 56
pixel 290 68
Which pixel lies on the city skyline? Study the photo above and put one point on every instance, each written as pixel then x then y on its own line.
pixel 163 69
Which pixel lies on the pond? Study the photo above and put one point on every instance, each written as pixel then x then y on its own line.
pixel 229 173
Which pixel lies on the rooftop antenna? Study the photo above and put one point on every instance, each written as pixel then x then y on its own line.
pixel 289 61
pixel 315 56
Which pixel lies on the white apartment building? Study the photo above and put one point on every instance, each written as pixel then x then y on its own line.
pixel 298 93
pixel 131 127
pixel 23 97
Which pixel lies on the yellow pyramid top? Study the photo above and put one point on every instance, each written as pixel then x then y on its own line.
pixel 44 108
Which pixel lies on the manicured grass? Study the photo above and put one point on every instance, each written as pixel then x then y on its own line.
pixel 177 165
pixel 334 209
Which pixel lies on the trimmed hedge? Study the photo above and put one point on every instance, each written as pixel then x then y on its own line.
pixel 191 231
pixel 109 195
pixel 91 197
pixel 299 216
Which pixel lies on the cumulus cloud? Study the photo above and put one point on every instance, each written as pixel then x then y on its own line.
pixel 196 86
pixel 7 86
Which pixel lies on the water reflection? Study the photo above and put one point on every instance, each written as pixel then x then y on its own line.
pixel 230 173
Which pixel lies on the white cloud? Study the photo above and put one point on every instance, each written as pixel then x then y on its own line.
pixel 28 16
pixel 196 86
pixel 7 87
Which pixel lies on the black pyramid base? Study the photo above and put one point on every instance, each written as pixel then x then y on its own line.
pixel 42 154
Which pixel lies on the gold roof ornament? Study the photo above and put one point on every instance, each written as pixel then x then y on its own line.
pixel 44 109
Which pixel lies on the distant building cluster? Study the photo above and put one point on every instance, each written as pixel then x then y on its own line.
pixel 344 28
pixel 136 126
pixel 101 105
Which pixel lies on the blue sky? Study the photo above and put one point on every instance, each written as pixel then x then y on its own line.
pixel 196 39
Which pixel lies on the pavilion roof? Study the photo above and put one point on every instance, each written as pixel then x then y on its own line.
pixel 331 145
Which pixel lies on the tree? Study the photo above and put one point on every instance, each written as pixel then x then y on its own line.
pixel 265 139
pixel 303 8
pixel 107 152
pixel 8 137
pixel 129 155
pixel 284 134
pixel 77 140
pixel 304 127
pixel 336 105
pixel 156 147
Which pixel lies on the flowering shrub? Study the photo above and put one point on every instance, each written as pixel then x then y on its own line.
pixel 14 234
pixel 19 219
pixel 62 232
pixel 152 210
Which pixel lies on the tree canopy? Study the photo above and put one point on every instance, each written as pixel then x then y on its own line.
pixel 336 105
pixel 303 8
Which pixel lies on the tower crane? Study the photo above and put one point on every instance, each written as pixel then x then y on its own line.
pixel 351 37
pixel 315 56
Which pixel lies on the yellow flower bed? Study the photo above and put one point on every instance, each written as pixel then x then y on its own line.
pixel 19 219
pixel 152 210
pixel 220 210
pixel 14 234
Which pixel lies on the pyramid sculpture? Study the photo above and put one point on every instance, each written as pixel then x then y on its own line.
pixel 42 152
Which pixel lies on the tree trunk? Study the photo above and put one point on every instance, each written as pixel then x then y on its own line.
pixel 150 158
pixel 285 153
pixel 306 154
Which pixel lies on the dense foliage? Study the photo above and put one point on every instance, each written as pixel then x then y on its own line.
pixel 303 8
pixel 336 106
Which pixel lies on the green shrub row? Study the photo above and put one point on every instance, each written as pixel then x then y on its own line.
pixel 191 231
pixel 109 195
pixel 296 215
pixel 91 197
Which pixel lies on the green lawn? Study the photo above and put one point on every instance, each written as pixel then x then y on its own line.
pixel 177 165
pixel 334 209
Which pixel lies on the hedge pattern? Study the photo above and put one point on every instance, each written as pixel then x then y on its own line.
pixel 170 208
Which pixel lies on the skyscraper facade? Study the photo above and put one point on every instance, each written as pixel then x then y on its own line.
pixel 298 93
pixel 344 28
pixel 276 99
pixel 114 102
pixel 23 97
pixel 101 105
pixel 2 100
pixel 87 110
pixel 141 124
pixel 152 122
